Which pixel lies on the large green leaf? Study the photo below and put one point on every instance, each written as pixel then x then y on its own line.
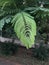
pixel 25 28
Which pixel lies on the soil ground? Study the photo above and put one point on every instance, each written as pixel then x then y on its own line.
pixel 23 57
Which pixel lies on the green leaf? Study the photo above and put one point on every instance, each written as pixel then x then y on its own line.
pixel 36 9
pixel 1 24
pixel 25 28
pixel 7 19
pixel 6 2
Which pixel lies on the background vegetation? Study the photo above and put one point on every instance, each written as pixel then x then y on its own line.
pixel 39 9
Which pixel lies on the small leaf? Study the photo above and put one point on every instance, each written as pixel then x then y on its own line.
pixel 7 19
pixel 1 24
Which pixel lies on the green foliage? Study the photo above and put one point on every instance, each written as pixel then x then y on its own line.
pixel 37 3
pixel 41 14
pixel 4 3
pixel 25 28
pixel 8 7
pixel 6 19
pixel 37 9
